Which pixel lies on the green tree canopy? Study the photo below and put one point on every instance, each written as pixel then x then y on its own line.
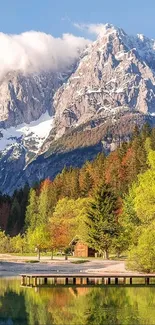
pixel 32 210
pixel 38 238
pixel 144 192
pixel 67 221
pixel 102 220
pixel 142 256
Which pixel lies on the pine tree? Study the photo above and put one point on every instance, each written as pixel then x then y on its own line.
pixel 102 220
pixel 136 132
pixel 44 206
pixel 32 211
pixel 138 146
pixel 85 181
pixel 112 171
pixel 145 131
pixel 153 139
pixel 14 218
pixel 23 204
pixel 96 171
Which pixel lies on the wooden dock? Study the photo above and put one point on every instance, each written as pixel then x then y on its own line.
pixel 85 279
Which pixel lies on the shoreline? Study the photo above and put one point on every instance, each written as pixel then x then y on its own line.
pixel 13 266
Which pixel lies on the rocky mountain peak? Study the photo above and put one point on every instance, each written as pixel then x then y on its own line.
pixel 116 73
pixel 112 81
pixel 108 29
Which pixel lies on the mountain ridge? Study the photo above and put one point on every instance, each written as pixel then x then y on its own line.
pixel 111 84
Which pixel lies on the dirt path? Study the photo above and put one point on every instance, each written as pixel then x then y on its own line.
pixel 15 265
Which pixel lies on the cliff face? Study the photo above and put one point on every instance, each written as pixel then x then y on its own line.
pixel 49 120
pixel 24 98
pixel 116 73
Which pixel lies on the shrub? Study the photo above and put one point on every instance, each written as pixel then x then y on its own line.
pixel 142 256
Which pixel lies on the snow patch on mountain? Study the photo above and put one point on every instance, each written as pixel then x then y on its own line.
pixel 36 130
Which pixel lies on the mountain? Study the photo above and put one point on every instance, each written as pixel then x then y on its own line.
pixel 49 120
pixel 116 73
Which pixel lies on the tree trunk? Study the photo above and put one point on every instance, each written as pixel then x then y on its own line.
pixel 66 257
pixel 106 255
pixel 52 255
pixel 38 254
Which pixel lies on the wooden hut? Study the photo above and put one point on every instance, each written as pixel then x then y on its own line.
pixel 81 249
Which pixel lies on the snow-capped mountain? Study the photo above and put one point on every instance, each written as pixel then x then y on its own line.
pixel 42 116
pixel 117 73
pixel 24 98
pixel 26 109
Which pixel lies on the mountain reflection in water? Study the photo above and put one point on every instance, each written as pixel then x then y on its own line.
pixel 75 306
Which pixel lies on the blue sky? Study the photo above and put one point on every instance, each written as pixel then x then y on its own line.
pixel 56 16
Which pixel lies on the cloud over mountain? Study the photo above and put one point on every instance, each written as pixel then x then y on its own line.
pixel 95 29
pixel 35 51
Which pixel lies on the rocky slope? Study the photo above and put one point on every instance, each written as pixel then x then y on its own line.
pixel 51 120
pixel 116 73
pixel 25 98
pixel 26 110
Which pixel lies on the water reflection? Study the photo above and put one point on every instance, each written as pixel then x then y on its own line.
pixel 75 306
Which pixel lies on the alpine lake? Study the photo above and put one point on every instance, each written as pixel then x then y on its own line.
pixel 71 305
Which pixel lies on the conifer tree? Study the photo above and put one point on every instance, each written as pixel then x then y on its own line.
pixel 145 131
pixel 23 205
pixel 85 181
pixel 14 218
pixel 44 205
pixel 32 211
pixel 102 220
pixel 153 139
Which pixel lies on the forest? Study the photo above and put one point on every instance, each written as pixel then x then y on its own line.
pixel 109 204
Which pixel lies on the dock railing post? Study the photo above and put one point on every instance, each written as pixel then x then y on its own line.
pixel 35 281
pixel 28 280
pixel 22 280
pixel 116 281
pixel 147 281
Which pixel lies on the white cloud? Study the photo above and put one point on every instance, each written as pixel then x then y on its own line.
pixel 35 51
pixel 96 29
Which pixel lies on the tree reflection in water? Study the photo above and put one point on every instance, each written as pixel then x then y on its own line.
pixel 75 306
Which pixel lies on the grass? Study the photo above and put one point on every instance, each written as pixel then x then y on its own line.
pixel 32 261
pixel 80 261
pixel 31 254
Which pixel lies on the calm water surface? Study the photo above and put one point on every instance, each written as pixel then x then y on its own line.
pixel 75 306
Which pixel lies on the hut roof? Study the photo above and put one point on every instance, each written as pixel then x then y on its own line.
pixel 74 241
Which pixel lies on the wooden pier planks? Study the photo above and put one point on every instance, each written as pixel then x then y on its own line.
pixel 86 279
